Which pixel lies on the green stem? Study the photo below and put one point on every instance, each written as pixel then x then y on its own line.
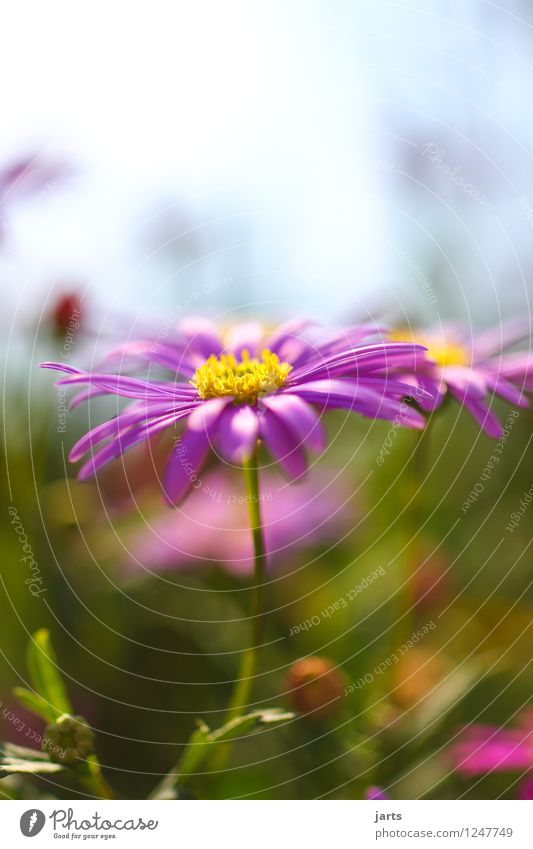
pixel 414 551
pixel 245 679
pixel 90 774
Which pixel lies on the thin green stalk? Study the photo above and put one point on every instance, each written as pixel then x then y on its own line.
pixel 91 776
pixel 245 678
pixel 414 551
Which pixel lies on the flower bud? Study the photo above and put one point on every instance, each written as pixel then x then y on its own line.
pixel 68 740
pixel 431 582
pixel 316 687
pixel 66 313
pixel 417 674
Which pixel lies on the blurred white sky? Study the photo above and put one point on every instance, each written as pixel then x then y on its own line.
pixel 288 136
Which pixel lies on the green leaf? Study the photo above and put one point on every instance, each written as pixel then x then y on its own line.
pixel 35 703
pixel 19 759
pixel 242 724
pixel 194 754
pixel 201 743
pixel 44 673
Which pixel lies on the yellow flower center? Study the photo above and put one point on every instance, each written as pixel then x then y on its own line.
pixel 447 353
pixel 443 352
pixel 246 379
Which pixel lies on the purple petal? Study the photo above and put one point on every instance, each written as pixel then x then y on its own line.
pixel 185 464
pixel 245 336
pixel 516 367
pixel 202 337
pixel 133 416
pixel 282 443
pixel 497 338
pixel 124 441
pixel 506 390
pixel 170 355
pixel 128 387
pixel 486 419
pixel 347 339
pixel 60 367
pixel 336 392
pixel 189 454
pixel 466 381
pixel 237 433
pixel 299 417
pixel 362 359
pixel 428 390
pixel 86 395
pixel 207 413
pixel 287 342
pixel 355 395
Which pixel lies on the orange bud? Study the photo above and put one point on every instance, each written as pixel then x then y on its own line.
pixel 316 687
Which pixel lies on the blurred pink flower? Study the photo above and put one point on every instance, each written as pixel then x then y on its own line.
pixel 487 748
pixel 525 791
pixel 213 525
pixel 375 793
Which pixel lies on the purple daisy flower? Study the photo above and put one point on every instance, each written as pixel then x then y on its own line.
pixel 230 394
pixel 214 525
pixel 473 370
pixel 483 749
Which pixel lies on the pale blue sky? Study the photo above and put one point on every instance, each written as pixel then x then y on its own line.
pixel 279 143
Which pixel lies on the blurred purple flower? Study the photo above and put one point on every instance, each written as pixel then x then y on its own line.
pixel 253 387
pixel 485 748
pixel 213 526
pixel 472 370
pixel 525 791
pixel 376 793
pixel 27 176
